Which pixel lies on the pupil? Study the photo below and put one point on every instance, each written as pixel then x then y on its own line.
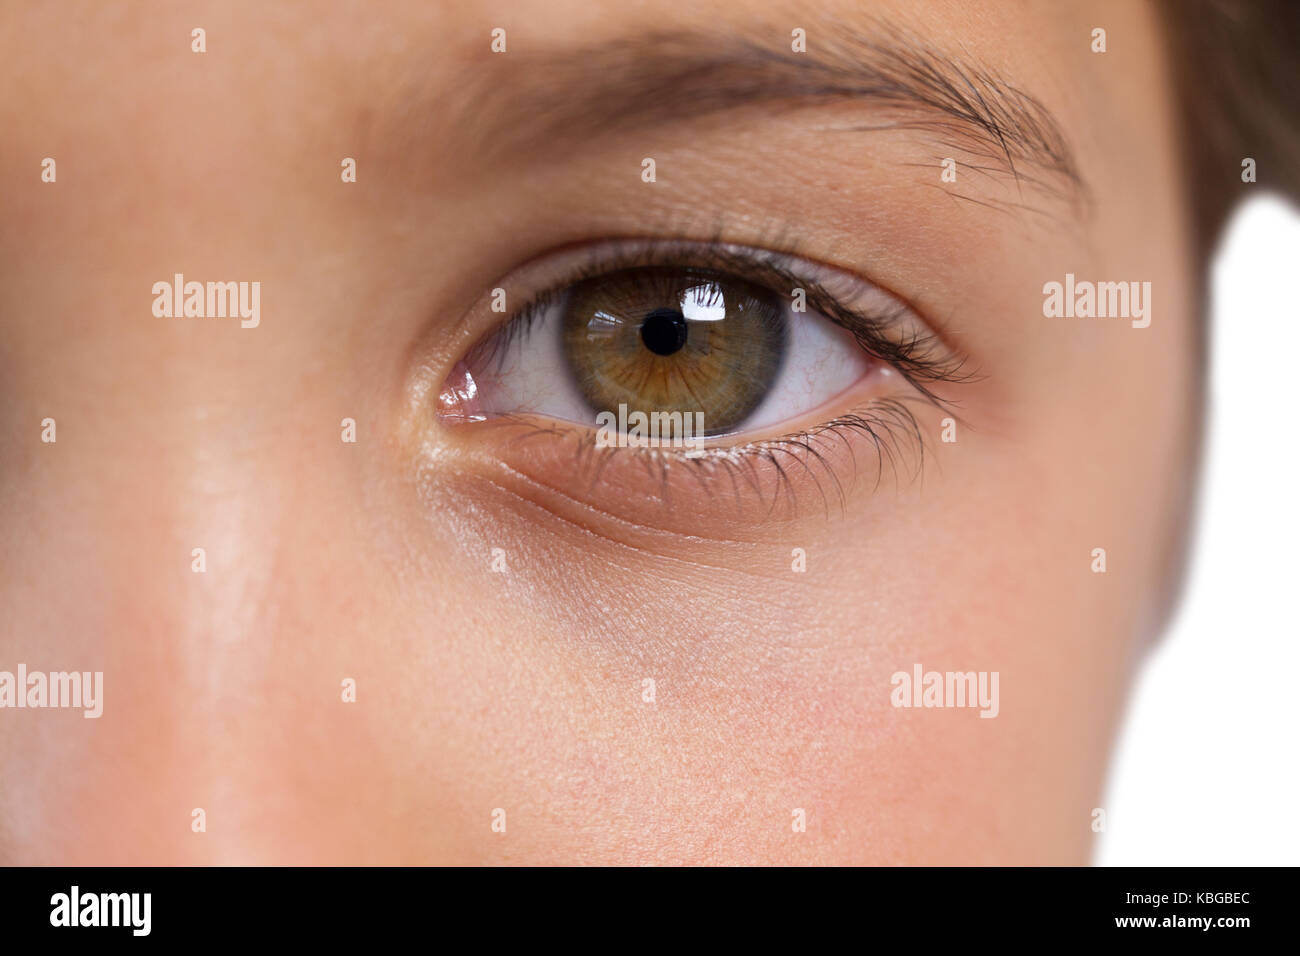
pixel 664 331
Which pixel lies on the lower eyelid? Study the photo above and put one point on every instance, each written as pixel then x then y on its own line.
pixel 719 492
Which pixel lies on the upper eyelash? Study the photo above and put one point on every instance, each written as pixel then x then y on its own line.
pixel 921 358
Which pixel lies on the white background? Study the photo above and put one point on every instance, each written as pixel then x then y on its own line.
pixel 1207 767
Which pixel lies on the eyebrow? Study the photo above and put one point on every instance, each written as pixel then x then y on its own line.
pixel 534 99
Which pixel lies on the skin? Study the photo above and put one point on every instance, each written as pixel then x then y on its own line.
pixel 372 561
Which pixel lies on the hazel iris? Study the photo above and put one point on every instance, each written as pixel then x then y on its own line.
pixel 667 339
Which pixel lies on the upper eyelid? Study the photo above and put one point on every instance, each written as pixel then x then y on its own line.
pixel 925 358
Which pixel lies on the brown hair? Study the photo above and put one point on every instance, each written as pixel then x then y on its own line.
pixel 1236 65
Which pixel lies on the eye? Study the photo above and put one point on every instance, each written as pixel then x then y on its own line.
pixel 744 341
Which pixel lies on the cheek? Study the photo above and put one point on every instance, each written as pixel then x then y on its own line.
pixel 656 700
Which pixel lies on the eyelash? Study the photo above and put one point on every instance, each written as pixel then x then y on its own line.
pixel 920 358
pixel 889 424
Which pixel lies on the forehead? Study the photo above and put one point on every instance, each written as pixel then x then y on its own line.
pixel 427 77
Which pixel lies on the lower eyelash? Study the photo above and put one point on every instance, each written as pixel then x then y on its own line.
pixel 887 423
pixel 764 468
